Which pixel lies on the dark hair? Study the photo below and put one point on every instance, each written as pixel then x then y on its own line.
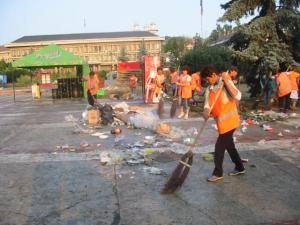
pixel 233 68
pixel 208 70
pixel 186 68
pixel 92 73
pixel 172 70
pixel 282 67
pixel 159 68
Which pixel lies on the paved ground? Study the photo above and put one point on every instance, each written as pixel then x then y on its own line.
pixel 42 185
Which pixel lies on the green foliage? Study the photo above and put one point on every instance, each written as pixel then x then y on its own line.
pixel 3 66
pixel 270 40
pixel 12 73
pixel 24 79
pixel 200 56
pixel 175 47
pixel 221 32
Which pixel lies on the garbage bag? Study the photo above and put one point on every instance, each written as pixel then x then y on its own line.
pixel 146 120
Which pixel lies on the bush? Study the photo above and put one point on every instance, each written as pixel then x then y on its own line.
pixel 24 79
pixel 200 56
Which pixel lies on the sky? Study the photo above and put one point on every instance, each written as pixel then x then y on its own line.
pixel 20 18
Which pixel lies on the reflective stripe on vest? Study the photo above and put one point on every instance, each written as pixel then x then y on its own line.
pixel 226 116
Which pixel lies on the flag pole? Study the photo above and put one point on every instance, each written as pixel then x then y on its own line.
pixel 201 8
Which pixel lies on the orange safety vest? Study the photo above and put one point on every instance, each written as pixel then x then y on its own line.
pixel 284 86
pixel 225 114
pixel 93 84
pixel 186 86
pixel 196 82
pixel 293 77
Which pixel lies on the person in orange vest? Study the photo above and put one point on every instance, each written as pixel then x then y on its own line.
pixel 284 89
pixel 196 84
pixel 133 84
pixel 179 87
pixel 93 83
pixel 227 118
pixel 173 80
pixel 185 84
pixel 295 81
pixel 160 82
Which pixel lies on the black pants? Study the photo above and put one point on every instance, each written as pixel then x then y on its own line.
pixel 284 102
pixel 225 142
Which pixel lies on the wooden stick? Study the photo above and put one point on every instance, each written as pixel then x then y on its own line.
pixel 205 122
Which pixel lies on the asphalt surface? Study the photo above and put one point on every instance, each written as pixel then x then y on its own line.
pixel 41 184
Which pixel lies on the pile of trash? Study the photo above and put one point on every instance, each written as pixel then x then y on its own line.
pixel 264 116
pixel 105 115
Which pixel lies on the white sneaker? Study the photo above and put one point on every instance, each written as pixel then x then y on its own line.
pixel 186 116
pixel 181 115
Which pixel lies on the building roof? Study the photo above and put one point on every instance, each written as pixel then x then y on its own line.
pixel 3 49
pixel 222 39
pixel 80 36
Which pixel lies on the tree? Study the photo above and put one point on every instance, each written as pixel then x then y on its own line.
pixel 213 37
pixel 123 55
pixel 220 32
pixel 175 47
pixel 198 40
pixel 271 38
pixel 200 56
pixel 12 73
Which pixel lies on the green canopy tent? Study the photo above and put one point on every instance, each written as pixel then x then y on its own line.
pixel 52 56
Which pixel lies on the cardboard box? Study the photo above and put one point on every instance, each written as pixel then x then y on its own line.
pixel 93 116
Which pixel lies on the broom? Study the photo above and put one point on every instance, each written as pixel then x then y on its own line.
pixel 181 171
pixel 160 109
pixel 174 104
pixel 174 101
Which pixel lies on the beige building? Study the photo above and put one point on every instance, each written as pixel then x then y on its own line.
pixel 101 50
pixel 4 54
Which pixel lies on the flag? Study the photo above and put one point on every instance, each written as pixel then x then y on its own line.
pixel 201 6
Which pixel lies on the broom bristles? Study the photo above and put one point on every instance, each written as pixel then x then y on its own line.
pixel 179 174
pixel 160 109
pixel 173 108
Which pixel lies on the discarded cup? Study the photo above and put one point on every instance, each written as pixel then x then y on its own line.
pixel 153 170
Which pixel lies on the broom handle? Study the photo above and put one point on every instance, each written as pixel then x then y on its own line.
pixel 205 122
